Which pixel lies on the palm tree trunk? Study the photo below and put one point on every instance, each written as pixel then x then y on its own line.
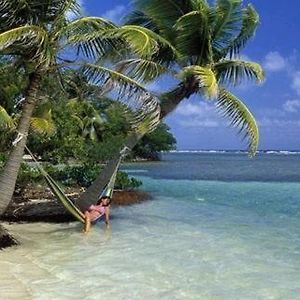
pixel 169 101
pixel 92 193
pixel 9 174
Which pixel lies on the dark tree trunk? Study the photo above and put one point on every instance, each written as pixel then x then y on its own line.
pixel 170 100
pixel 9 173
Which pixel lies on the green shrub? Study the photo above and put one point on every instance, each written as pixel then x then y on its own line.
pixel 79 175
pixel 82 175
pixel 124 182
pixel 28 174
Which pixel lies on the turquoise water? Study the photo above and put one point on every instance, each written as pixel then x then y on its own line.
pixel 220 226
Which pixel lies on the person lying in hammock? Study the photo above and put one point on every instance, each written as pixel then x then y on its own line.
pixel 94 212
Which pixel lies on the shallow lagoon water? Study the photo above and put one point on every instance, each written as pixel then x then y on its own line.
pixel 197 239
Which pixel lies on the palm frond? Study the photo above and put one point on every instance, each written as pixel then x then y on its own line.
pixel 87 33
pixel 31 12
pixel 234 71
pixel 249 26
pixel 204 76
pixel 144 42
pixel 23 39
pixel 42 126
pixel 139 18
pixel 164 13
pixel 127 91
pixel 193 39
pixel 68 8
pixel 228 22
pixel 240 117
pixel 6 120
pixel 142 69
pixel 42 121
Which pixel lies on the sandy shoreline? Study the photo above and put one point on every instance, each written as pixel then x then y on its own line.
pixel 39 205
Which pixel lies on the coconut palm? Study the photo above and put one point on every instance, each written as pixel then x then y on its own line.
pixel 208 40
pixel 38 35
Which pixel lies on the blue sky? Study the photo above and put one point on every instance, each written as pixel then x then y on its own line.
pixel 275 103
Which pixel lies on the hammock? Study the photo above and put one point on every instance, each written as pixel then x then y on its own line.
pixel 67 202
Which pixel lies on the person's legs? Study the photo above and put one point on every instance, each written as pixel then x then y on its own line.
pixel 87 224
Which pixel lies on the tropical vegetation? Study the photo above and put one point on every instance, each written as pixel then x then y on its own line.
pixel 199 44
pixel 89 60
pixel 36 38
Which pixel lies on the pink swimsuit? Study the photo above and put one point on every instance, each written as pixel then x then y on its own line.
pixel 96 211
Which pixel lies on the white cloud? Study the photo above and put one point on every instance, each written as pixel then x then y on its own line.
pixel 273 118
pixel 296 82
pixel 271 113
pixel 274 62
pixel 279 123
pixel 199 123
pixel 291 105
pixel 115 15
pixel 191 115
pixel 190 109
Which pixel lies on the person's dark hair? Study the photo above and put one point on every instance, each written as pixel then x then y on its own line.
pixel 102 198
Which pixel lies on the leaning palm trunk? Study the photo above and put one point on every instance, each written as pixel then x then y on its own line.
pixel 102 180
pixel 169 101
pixel 9 174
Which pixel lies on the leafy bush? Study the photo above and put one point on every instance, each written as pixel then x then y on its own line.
pixel 28 174
pixel 82 175
pixel 125 182
pixel 79 175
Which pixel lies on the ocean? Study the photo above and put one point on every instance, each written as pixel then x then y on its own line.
pixel 220 226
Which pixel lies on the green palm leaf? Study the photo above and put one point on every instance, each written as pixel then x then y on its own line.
pixel 128 91
pixel 67 7
pixel 22 39
pixel 87 34
pixel 42 122
pixel 143 42
pixel 164 13
pixel 139 18
pixel 42 126
pixel 205 77
pixel 227 23
pixel 234 71
pixel 142 69
pixel 79 122
pixel 193 38
pixel 32 12
pixel 5 119
pixel 241 117
pixel 249 25
pixel 139 39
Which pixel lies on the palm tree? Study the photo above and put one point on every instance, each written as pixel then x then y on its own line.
pixel 207 42
pixel 37 35
pixel 199 44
